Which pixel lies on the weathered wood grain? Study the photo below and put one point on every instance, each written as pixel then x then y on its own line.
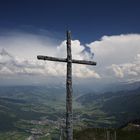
pixel 69 124
pixel 84 62
pixel 49 58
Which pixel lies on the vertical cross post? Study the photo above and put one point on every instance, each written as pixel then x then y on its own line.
pixel 69 61
pixel 69 126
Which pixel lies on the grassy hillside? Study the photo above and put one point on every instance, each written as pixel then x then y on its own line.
pixel 103 134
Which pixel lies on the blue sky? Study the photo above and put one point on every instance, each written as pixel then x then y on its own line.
pixel 88 19
pixel 108 29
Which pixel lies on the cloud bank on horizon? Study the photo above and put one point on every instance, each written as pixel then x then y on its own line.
pixel 117 57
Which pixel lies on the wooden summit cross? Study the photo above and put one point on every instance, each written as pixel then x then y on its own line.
pixel 69 61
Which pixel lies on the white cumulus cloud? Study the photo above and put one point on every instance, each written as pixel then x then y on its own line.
pixel 120 53
pixel 116 56
pixel 18 56
pixel 127 69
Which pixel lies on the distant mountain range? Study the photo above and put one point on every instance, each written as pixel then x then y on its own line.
pixel 21 104
pixel 122 106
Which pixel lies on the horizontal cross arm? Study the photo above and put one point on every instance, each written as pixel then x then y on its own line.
pixel 40 57
pixel 83 62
